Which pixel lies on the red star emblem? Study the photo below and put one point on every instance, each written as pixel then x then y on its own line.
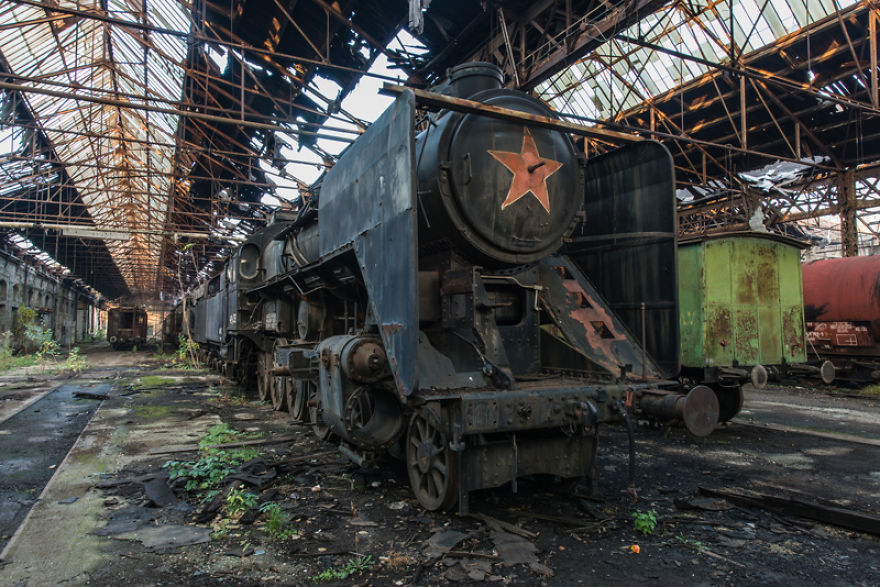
pixel 530 172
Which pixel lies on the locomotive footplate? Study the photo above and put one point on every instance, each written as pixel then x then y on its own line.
pixel 537 408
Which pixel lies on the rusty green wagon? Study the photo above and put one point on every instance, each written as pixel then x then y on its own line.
pixel 741 312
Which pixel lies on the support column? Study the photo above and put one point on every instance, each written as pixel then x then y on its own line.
pixel 846 201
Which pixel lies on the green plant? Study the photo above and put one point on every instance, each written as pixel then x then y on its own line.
pixel 221 530
pixel 645 521
pixel 213 464
pixel 695 544
pixel 362 563
pixel 210 469
pixel 223 433
pixel 76 362
pixel 276 521
pixel 7 359
pixel 47 347
pixel 24 326
pixel 239 501
pixel 187 352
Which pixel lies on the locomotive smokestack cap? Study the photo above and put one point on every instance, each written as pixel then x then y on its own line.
pixel 467 79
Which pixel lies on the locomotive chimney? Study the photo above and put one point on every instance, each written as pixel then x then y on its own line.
pixel 467 79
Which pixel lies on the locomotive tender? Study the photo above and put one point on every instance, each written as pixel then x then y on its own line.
pixel 464 298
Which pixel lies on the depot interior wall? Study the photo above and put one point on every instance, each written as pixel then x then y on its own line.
pixel 61 307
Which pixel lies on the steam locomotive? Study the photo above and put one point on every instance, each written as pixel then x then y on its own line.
pixel 464 297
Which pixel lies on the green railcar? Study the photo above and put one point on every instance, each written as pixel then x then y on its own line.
pixel 741 307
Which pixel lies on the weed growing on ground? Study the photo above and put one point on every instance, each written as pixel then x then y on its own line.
pixel 7 359
pixel 213 464
pixel 187 353
pixel 238 501
pixel 223 433
pixel 76 362
pixel 362 563
pixel 872 390
pixel 645 522
pixel 221 529
pixel 210 469
pixel 229 394
pixel 695 544
pixel 277 521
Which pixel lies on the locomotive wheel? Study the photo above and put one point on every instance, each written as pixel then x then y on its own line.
pixel 730 400
pixel 279 396
pixel 321 430
pixel 264 380
pixel 432 465
pixel 296 392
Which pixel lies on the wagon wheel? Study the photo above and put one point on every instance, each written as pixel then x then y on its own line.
pixel 432 465
pixel 264 380
pixel 730 400
pixel 297 392
pixel 279 393
pixel 321 430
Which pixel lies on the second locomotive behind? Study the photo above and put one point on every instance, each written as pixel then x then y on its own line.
pixel 421 301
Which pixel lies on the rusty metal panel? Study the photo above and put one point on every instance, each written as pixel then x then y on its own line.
pixel 846 289
pixel 585 320
pixel 747 289
pixel 627 244
pixel 367 201
pixel 690 300
pixel 746 336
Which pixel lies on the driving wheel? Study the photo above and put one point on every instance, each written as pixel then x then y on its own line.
pixel 321 430
pixel 432 465
pixel 264 380
pixel 279 395
pixel 297 392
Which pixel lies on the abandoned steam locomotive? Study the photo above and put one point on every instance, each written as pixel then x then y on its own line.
pixel 465 298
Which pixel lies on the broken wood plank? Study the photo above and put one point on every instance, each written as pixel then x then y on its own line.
pixel 790 506
pixel 496 524
pixel 195 447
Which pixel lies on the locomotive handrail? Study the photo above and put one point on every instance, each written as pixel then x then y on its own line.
pixel 439 101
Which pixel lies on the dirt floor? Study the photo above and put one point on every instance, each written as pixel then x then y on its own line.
pixel 299 513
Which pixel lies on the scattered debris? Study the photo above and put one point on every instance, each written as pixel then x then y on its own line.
pixel 498 525
pixel 195 447
pixel 170 535
pixel 90 395
pixel 702 503
pixel 793 506
pixel 514 550
pixel 442 542
pixel 157 491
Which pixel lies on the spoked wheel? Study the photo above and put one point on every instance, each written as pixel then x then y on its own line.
pixel 730 400
pixel 432 465
pixel 279 395
pixel 264 380
pixel 297 397
pixel 322 431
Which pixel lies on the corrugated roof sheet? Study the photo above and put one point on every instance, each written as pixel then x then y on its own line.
pixel 619 75
pixel 126 185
